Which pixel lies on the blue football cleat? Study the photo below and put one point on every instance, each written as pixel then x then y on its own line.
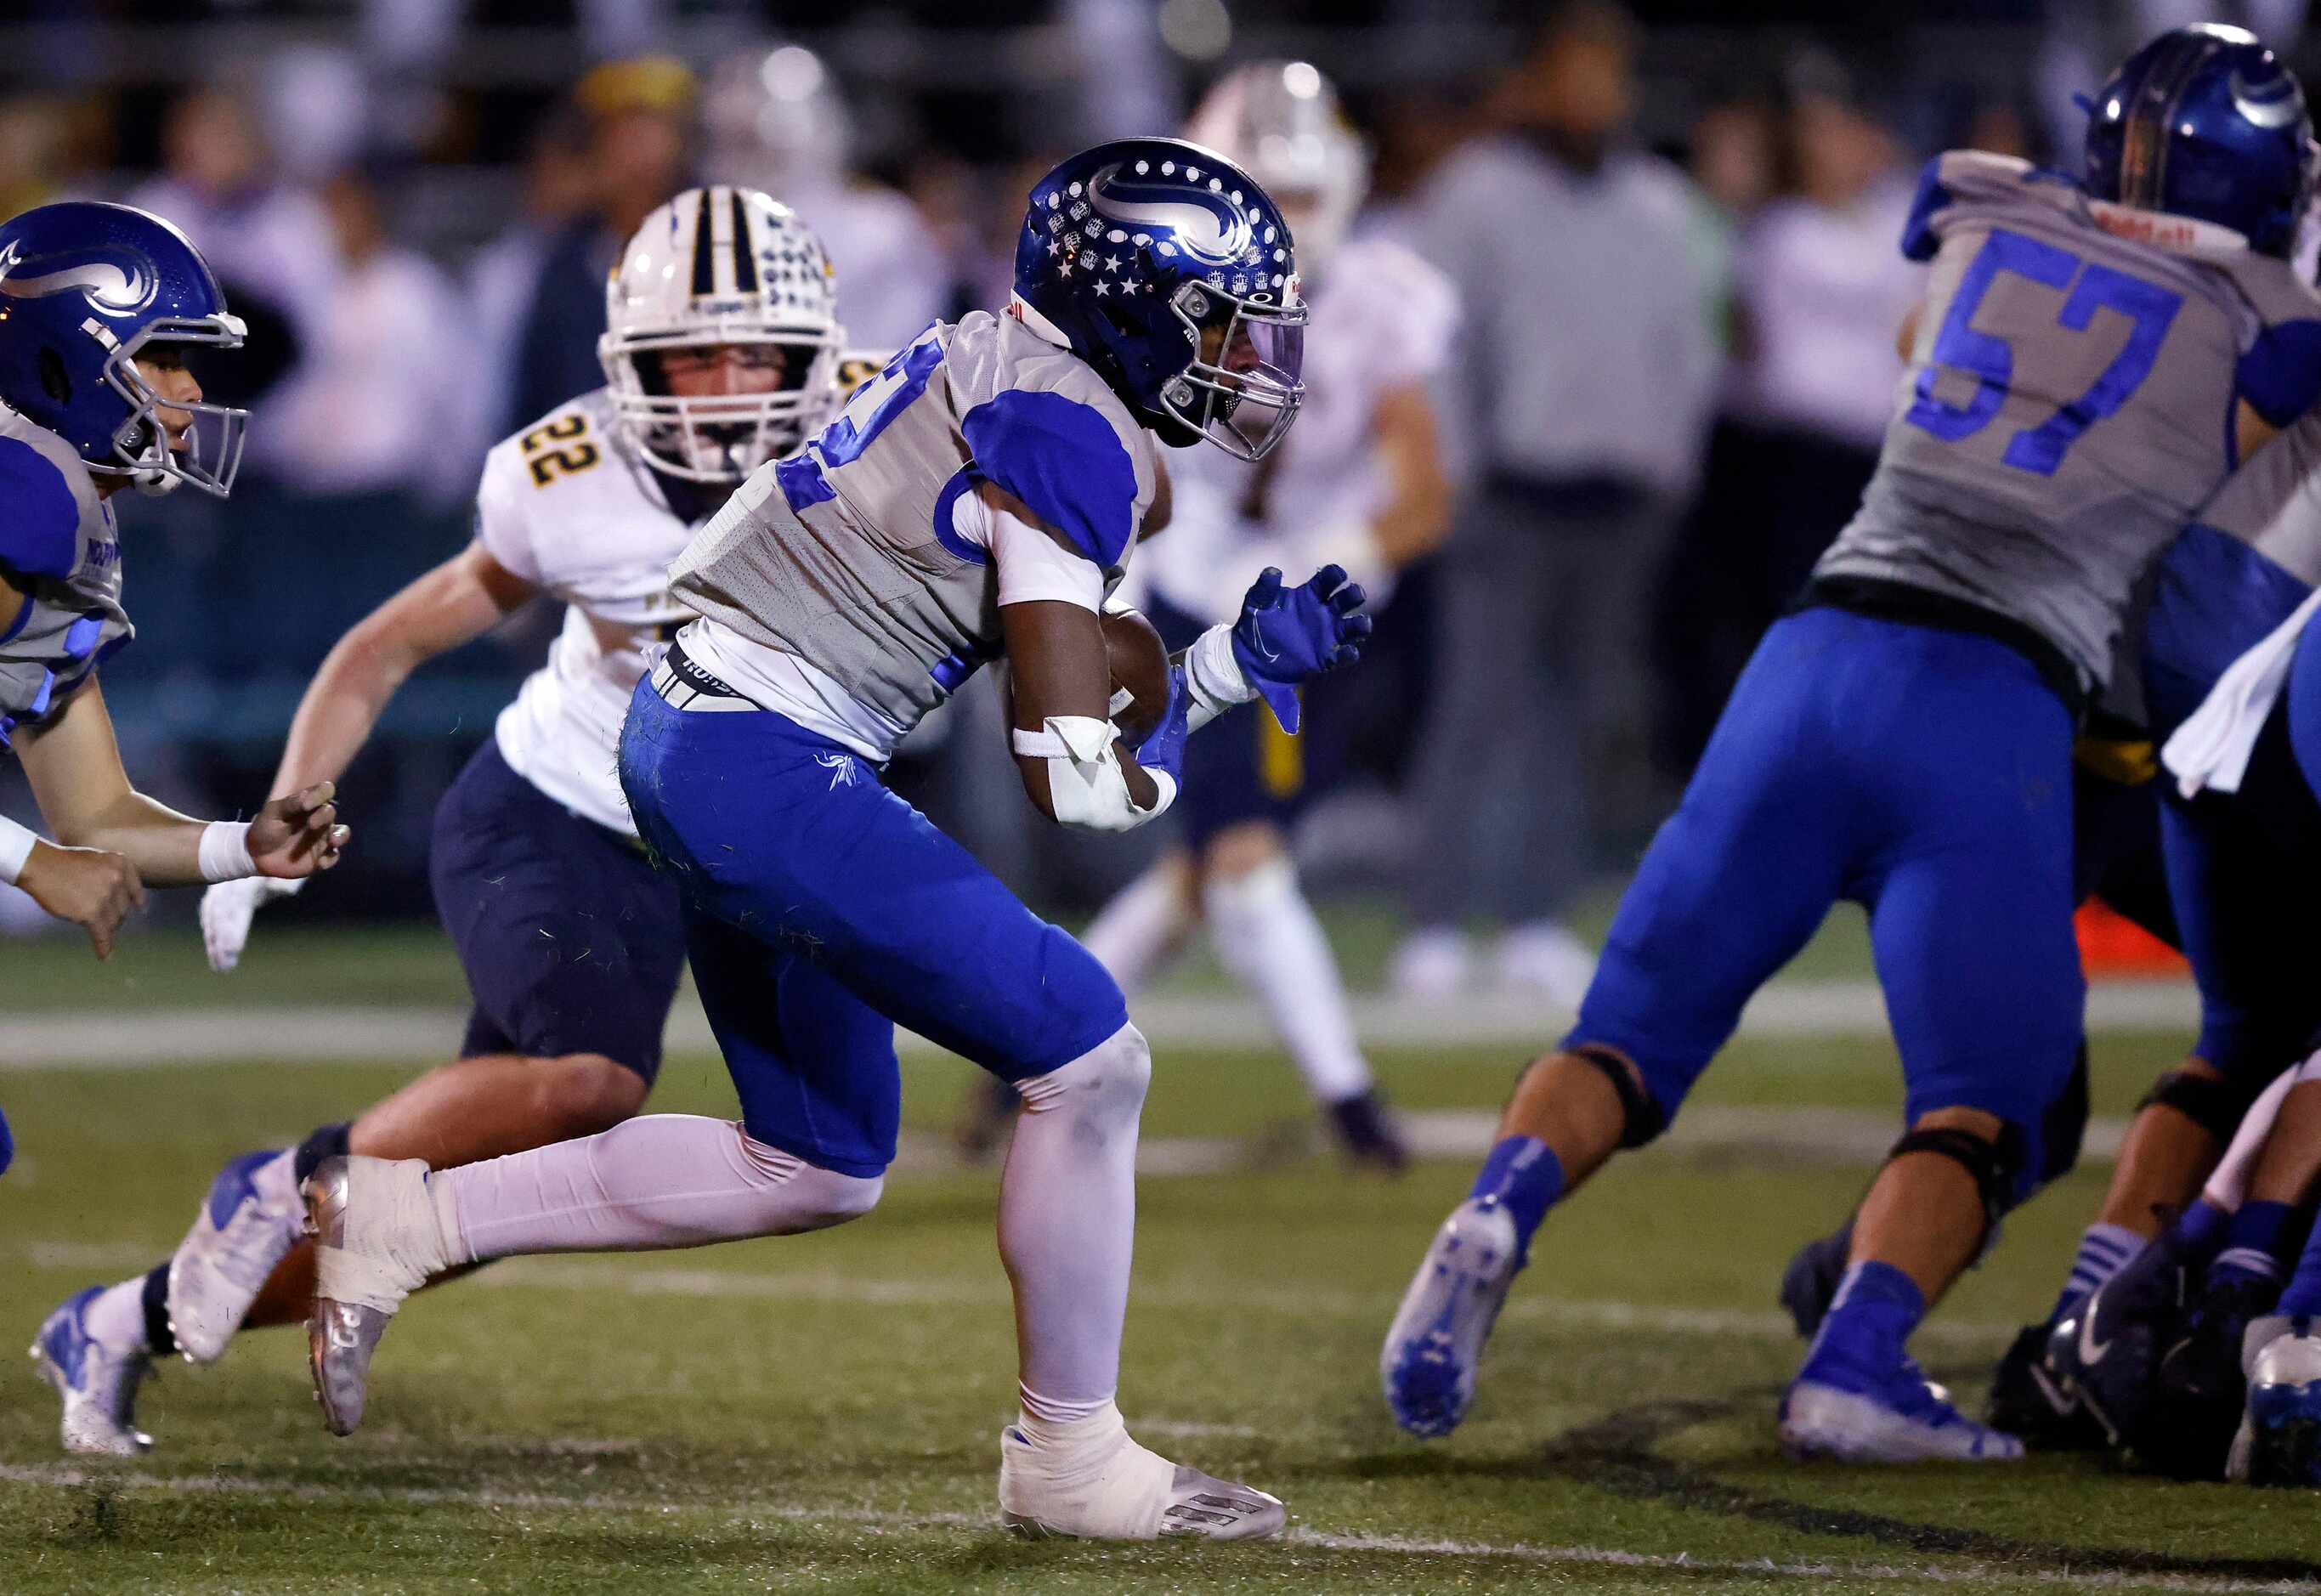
pixel 1427 1366
pixel 235 1241
pixel 1841 1406
pixel 2279 1439
pixel 99 1387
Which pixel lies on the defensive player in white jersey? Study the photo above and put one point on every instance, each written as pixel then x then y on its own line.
pixel 979 497
pixel 1359 485
pixel 721 353
pixel 99 307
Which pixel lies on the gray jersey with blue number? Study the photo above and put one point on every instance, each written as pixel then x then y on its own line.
pixel 2069 399
pixel 846 554
pixel 61 549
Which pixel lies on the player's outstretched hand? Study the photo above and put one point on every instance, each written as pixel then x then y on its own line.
pixel 93 890
pixel 1286 635
pixel 226 912
pixel 297 835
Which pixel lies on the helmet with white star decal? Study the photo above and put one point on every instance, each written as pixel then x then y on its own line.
pixel 1165 266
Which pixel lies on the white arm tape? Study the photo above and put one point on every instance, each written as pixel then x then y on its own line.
pixel 1215 676
pixel 15 848
pixel 1087 787
pixel 225 851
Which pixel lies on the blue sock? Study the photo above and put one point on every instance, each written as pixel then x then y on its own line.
pixel 2104 1251
pixel 2252 1244
pixel 1870 1319
pixel 1526 1179
pixel 2302 1299
pixel 2201 1230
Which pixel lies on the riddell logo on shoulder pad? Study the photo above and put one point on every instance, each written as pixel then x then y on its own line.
pixel 2147 227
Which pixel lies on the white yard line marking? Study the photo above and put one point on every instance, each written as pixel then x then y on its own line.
pixel 168 1038
pixel 1960 1573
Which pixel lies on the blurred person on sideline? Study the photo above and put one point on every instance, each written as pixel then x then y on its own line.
pixel 364 417
pixel 775 119
pixel 1585 371
pixel 1819 290
pixel 500 278
pixel 639 152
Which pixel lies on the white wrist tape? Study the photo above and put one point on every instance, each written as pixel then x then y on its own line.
pixel 15 848
pixel 1087 787
pixel 225 851
pixel 1215 677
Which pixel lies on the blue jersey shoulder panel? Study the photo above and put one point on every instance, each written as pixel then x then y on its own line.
pixel 40 520
pixel 2281 374
pixel 1063 460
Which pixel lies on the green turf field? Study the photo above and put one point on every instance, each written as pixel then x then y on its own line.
pixel 822 1411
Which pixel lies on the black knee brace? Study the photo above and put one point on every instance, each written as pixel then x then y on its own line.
pixel 1996 1166
pixel 1641 1116
pixel 2215 1103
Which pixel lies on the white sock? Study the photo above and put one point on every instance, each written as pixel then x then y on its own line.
pixel 1143 927
pixel 116 1316
pixel 1267 935
pixel 658 1180
pixel 1068 1217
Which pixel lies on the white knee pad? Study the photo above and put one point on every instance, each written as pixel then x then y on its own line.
pixel 1104 1086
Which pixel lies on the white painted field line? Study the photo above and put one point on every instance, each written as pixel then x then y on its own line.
pixel 1376 1545
pixel 170 1038
pixel 608 1277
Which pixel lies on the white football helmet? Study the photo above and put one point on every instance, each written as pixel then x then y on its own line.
pixel 714 267
pixel 1280 121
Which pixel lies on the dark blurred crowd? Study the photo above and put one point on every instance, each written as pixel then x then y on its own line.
pixel 1681 285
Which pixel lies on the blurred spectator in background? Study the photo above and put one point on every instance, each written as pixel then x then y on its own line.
pixel 1822 289
pixel 638 152
pixel 501 279
pixel 1588 364
pixel 33 132
pixel 384 404
pixel 775 120
pixel 270 241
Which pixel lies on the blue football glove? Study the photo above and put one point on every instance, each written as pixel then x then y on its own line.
pixel 1163 748
pixel 1286 635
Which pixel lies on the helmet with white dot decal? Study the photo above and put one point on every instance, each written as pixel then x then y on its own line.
pixel 1165 266
pixel 717 267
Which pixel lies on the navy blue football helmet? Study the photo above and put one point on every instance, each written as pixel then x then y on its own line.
pixel 2204 122
pixel 1168 269
pixel 86 289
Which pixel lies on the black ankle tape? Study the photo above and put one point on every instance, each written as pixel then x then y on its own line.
pixel 160 1341
pixel 1641 1115
pixel 329 1142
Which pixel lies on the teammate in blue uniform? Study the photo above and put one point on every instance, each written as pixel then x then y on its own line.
pixel 979 497
pixel 2091 361
pixel 99 305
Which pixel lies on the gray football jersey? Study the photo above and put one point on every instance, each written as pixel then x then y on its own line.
pixel 846 554
pixel 2247 562
pixel 2069 399
pixel 61 547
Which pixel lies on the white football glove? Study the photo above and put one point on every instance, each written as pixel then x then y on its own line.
pixel 226 911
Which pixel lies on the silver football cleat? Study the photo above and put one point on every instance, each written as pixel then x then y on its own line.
pixel 1118 1507
pixel 341 1336
pixel 98 1387
pixel 217 1271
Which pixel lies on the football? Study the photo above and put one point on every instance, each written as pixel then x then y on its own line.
pixel 1140 674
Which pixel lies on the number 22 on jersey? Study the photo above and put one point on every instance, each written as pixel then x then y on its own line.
pixel 1991 358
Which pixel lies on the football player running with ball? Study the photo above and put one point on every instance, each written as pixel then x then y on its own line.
pixel 722 352
pixel 979 496
pixel 100 307
pixel 2091 360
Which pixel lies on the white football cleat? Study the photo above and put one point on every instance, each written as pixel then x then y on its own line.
pixel 1546 957
pixel 1427 1365
pixel 370 1219
pixel 1431 964
pixel 235 1241
pixel 99 1387
pixel 2280 1438
pixel 1116 1489
pixel 1891 1415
